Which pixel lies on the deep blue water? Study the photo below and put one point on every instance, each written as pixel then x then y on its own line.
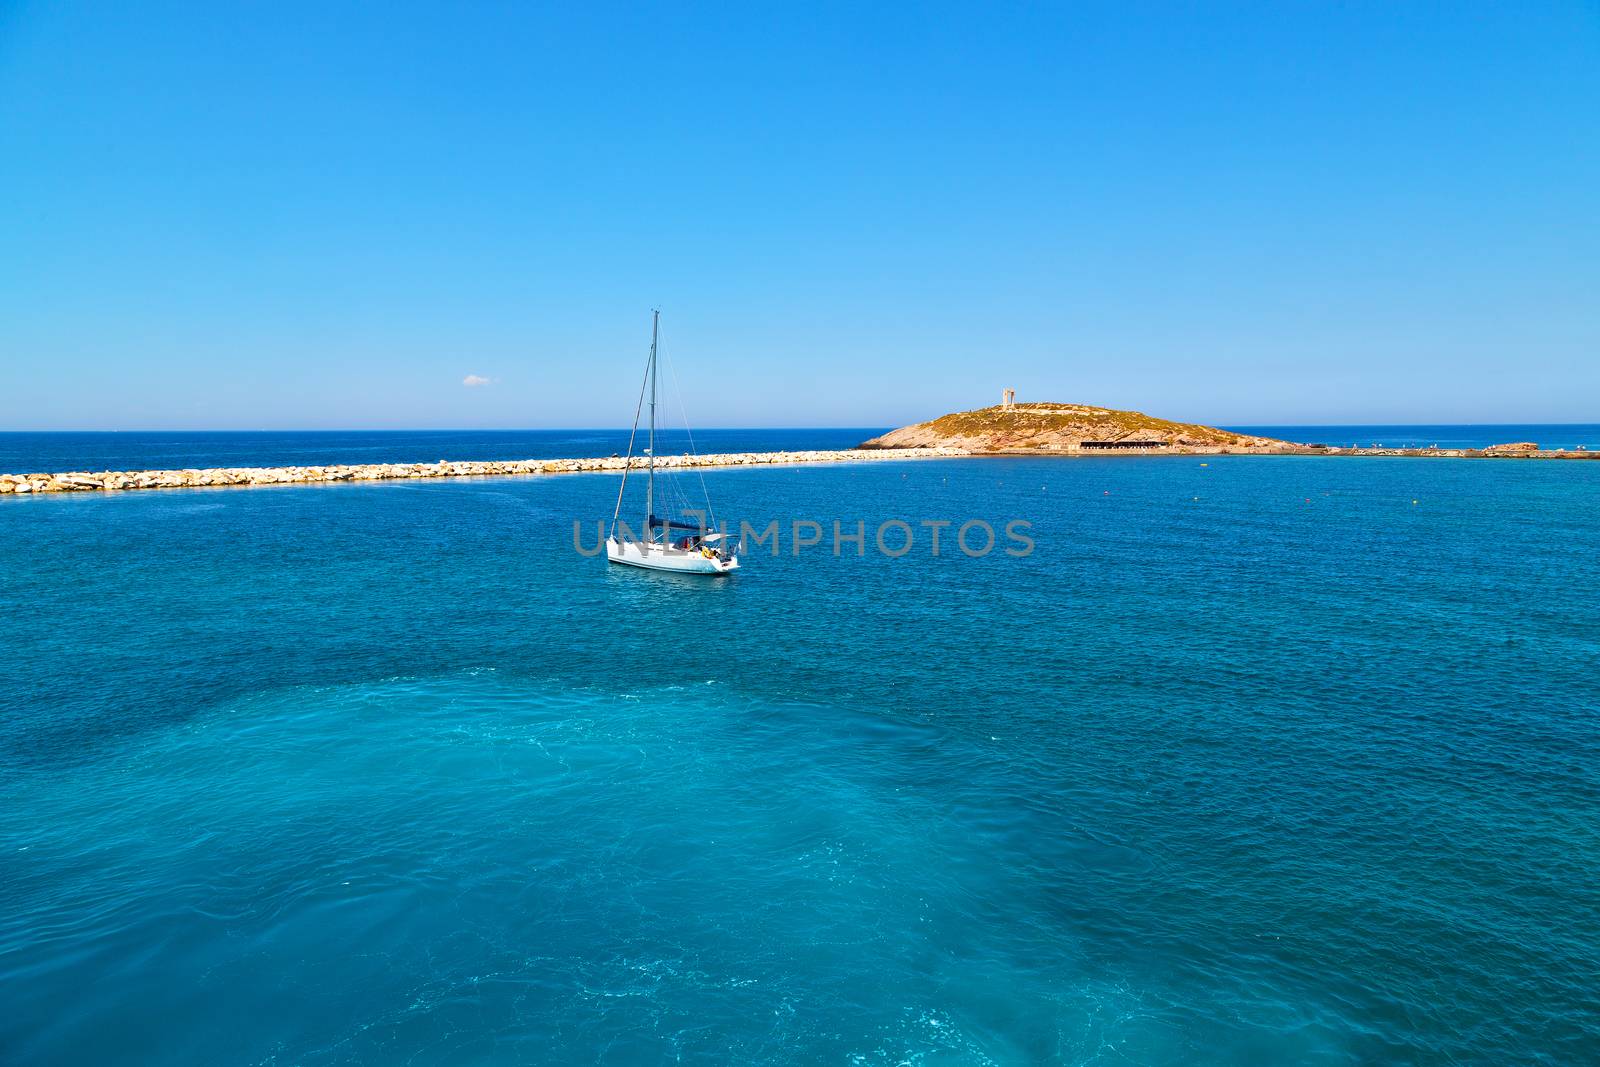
pixel 178 450
pixel 1546 435
pixel 1253 760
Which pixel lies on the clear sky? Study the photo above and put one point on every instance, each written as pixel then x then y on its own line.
pixel 331 215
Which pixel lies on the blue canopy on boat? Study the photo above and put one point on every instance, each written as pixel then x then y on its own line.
pixel 671 524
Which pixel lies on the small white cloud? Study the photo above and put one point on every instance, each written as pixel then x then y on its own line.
pixel 472 381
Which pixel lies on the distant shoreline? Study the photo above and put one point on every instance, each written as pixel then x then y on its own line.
pixel 195 478
pixel 26 452
pixel 1498 452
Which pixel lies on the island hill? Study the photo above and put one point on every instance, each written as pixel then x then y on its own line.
pixel 1012 429
pixel 1028 428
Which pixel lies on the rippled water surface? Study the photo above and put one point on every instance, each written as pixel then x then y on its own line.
pixel 1268 760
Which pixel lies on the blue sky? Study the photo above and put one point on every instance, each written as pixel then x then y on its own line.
pixel 328 215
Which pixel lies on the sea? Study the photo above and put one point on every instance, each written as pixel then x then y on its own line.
pixel 1205 760
pixel 29 452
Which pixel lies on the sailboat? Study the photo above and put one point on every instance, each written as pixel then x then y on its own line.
pixel 668 544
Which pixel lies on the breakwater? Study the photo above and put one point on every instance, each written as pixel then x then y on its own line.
pixel 103 481
pixel 86 481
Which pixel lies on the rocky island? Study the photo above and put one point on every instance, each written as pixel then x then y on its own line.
pixel 1012 427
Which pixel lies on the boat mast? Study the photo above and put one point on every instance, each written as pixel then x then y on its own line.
pixel 650 484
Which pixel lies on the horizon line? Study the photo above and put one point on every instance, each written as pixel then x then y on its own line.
pixel 611 429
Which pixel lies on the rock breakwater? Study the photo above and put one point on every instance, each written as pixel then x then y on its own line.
pixel 103 481
pixel 85 481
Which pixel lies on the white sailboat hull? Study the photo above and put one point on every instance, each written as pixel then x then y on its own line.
pixel 659 557
pixel 705 551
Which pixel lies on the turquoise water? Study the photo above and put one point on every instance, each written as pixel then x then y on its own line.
pixel 1253 762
